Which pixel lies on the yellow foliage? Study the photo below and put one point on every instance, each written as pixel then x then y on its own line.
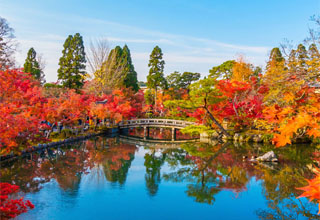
pixel 241 70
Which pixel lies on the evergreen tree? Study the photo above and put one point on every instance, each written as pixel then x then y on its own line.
pixel 72 63
pixel 31 64
pixel 156 79
pixel 118 71
pixel 187 78
pixel 176 80
pixel 129 74
pixel 302 56
pixel 222 71
pixel 297 62
pixel 313 62
pixel 173 80
pixel 276 55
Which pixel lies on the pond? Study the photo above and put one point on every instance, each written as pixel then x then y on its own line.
pixel 112 178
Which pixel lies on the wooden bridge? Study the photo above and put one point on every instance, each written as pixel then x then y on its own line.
pixel 146 123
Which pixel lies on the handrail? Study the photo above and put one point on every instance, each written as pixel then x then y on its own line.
pixel 154 121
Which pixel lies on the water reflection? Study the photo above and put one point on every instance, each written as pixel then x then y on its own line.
pixel 206 172
pixel 160 134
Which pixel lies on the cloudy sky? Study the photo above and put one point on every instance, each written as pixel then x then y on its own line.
pixel 194 35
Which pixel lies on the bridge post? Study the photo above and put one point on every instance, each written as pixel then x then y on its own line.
pixel 173 133
pixel 146 131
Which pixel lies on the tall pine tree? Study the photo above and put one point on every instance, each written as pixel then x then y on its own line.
pixel 31 64
pixel 130 75
pixel 72 63
pixel 313 62
pixel 156 79
pixel 118 71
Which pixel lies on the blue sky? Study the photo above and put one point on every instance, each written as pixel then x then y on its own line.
pixel 194 35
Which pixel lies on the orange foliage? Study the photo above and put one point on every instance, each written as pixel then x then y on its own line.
pixel 299 116
pixel 241 70
pixel 312 191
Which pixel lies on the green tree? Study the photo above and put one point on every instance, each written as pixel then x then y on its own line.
pixel 156 79
pixel 130 79
pixel 276 55
pixel 149 97
pixel 72 63
pixel 118 71
pixel 302 56
pixel 187 78
pixel 31 64
pixel 153 165
pixel 173 80
pixel 297 62
pixel 222 71
pixel 203 95
pixel 313 62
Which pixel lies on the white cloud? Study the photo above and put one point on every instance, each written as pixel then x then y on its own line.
pixel 181 52
pixel 143 41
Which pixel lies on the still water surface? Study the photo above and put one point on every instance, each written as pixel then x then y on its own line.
pixel 111 178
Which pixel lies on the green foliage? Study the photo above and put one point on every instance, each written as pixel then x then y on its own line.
pixel 223 71
pixel 130 79
pixel 173 80
pixel 202 94
pixel 54 134
pixel 31 65
pixel 276 55
pixel 51 85
pixel 118 71
pixel 66 133
pixel 314 62
pixel 148 96
pixel 187 78
pixel 176 80
pixel 156 78
pixel 72 63
pixel 197 129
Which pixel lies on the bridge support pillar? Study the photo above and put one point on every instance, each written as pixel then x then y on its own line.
pixel 146 133
pixel 173 133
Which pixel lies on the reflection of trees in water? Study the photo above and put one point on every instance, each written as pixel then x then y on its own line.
pixel 280 184
pixel 113 158
pixel 66 164
pixel 217 168
pixel 203 193
pixel 153 165
pixel 205 179
pixel 176 157
pixel 118 173
pixel 38 168
pixel 288 209
pixel 207 169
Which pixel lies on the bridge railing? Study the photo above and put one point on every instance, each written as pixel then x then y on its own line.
pixel 152 121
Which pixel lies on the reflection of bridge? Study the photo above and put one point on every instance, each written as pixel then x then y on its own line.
pixel 146 123
pixel 158 144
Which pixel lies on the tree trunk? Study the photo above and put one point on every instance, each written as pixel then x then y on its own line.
pixel 155 99
pixel 217 123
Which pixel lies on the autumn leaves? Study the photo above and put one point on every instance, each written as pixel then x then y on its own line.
pixel 24 105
